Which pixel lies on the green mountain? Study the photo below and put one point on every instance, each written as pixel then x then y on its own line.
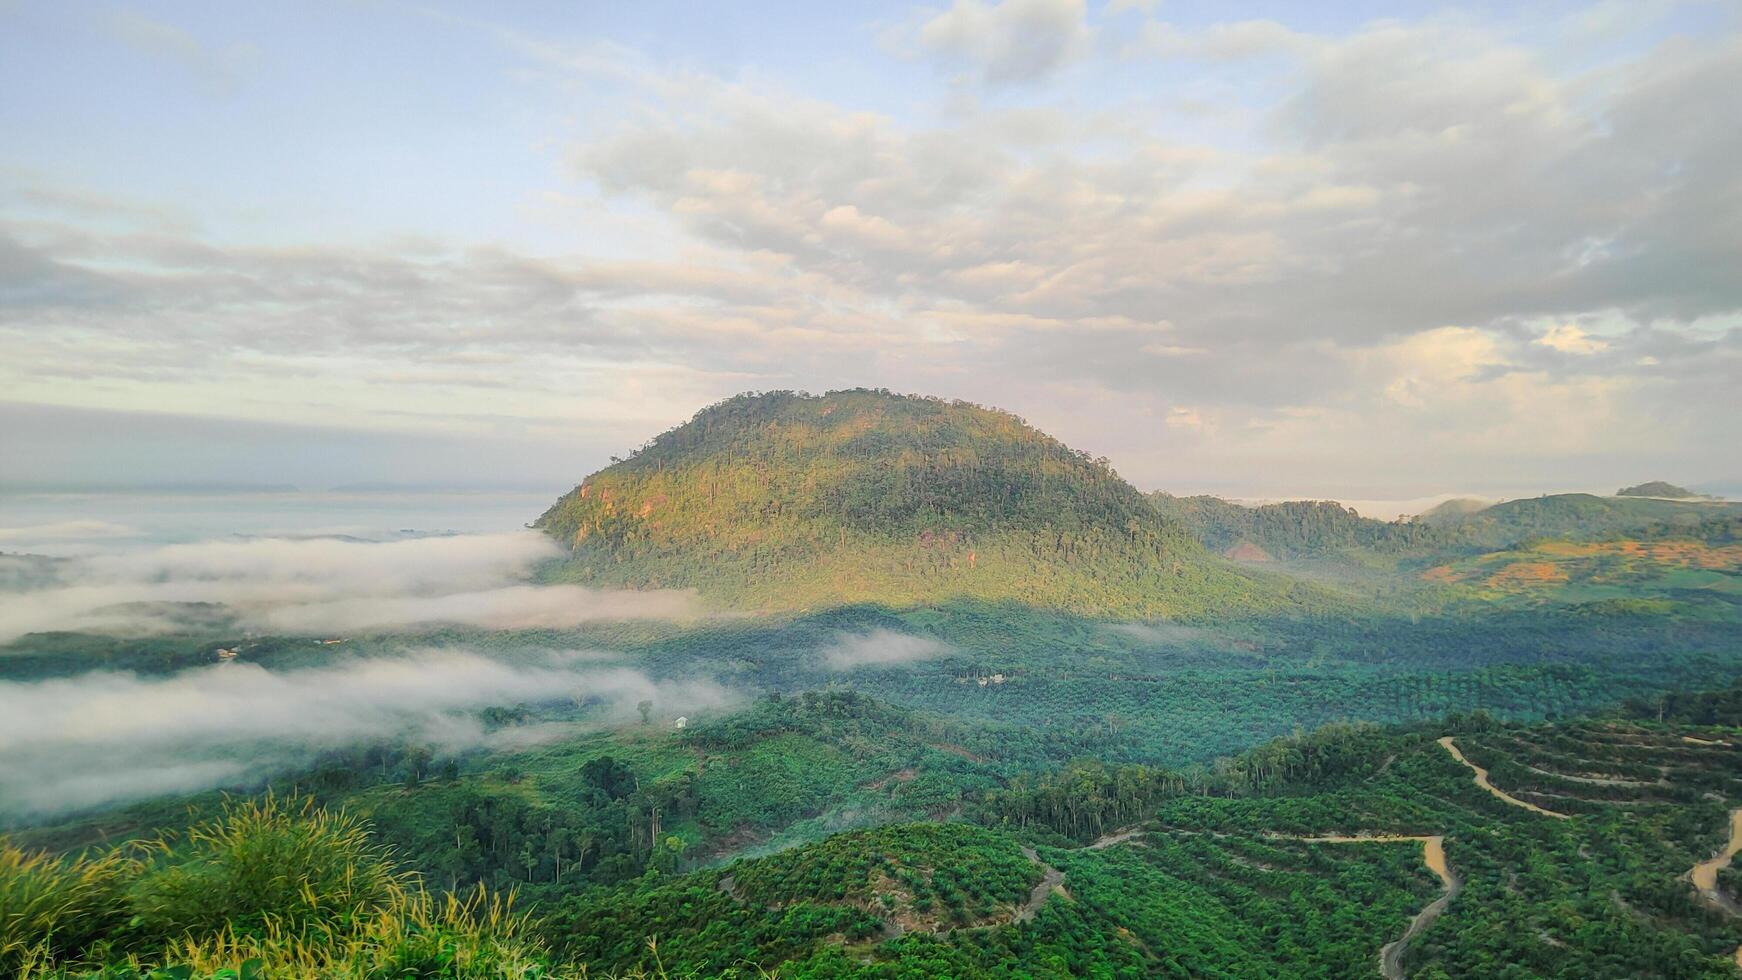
pixel 1293 529
pixel 1667 567
pixel 1322 529
pixel 1657 488
pixel 1578 515
pixel 792 501
pixel 1453 510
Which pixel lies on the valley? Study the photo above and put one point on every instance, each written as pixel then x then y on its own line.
pixel 910 689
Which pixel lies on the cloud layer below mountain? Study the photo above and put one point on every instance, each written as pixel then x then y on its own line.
pixel 319 586
pixel 105 737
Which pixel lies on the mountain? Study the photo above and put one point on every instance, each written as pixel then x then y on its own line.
pixel 1658 488
pixel 1668 567
pixel 785 500
pixel 1294 529
pixel 1453 510
pixel 1577 515
pixel 1305 529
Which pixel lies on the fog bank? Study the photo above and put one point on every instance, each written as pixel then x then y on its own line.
pixel 106 737
pixel 879 648
pixel 321 586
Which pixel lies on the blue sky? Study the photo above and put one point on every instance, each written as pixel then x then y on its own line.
pixel 1349 250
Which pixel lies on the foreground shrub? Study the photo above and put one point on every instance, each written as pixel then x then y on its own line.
pixel 270 890
pixel 51 908
pixel 268 867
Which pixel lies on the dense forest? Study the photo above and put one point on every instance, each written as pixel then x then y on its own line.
pixel 784 500
pixel 1460 847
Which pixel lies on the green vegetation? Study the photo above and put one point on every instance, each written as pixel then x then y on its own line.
pixel 1001 715
pixel 1660 569
pixel 1302 857
pixel 1580 515
pixel 1657 488
pixel 267 889
pixel 789 501
pixel 1298 529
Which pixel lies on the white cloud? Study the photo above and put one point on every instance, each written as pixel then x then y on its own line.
pixel 1057 248
pixel 96 738
pixel 881 648
pixel 1568 338
pixel 324 586
pixel 1009 40
pixel 1231 41
pixel 78 530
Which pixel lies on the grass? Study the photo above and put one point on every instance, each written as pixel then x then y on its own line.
pixel 271 887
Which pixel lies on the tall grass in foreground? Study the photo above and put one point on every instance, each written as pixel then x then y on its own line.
pixel 52 908
pixel 271 889
pixel 268 867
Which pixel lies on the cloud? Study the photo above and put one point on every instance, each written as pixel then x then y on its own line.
pixel 881 648
pixel 1158 634
pixel 322 586
pixel 1231 41
pixel 72 743
pixel 220 71
pixel 511 607
pixel 1241 220
pixel 1010 40
pixel 77 530
pixel 1569 339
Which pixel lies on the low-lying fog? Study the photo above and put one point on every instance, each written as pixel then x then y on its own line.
pixel 102 737
pixel 308 586
pixel 73 742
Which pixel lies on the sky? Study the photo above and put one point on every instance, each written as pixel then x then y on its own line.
pixel 1265 249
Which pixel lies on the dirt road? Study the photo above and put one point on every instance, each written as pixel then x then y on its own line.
pixel 1482 781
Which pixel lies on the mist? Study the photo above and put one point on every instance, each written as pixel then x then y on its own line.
pixel 104 737
pixel 1158 634
pixel 881 648
pixel 320 586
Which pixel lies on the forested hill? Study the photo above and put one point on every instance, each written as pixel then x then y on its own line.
pixel 785 500
pixel 1294 529
pixel 1579 515
pixel 1320 529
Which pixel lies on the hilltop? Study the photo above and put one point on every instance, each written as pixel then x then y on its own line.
pixel 1293 529
pixel 1308 529
pixel 1658 488
pixel 1577 515
pixel 786 500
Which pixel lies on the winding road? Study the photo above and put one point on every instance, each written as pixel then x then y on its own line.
pixel 1482 781
pixel 1433 854
pixel 1050 879
pixel 1705 874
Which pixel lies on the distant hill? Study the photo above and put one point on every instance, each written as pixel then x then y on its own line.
pixel 1664 567
pixel 1606 554
pixel 787 500
pixel 1292 530
pixel 1657 488
pixel 1453 510
pixel 1577 515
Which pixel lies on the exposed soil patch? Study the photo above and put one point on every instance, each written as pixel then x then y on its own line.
pixel 1247 551
pixel 1116 837
pixel 899 776
pixel 1051 879
pixel 1705 874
